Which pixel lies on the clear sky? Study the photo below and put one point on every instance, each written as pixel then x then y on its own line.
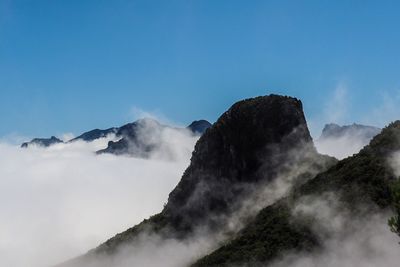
pixel 74 65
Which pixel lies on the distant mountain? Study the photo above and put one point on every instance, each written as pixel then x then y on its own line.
pixel 142 137
pixel 132 138
pixel 253 144
pixel 44 142
pixel 333 130
pixel 139 138
pixel 94 134
pixel 199 127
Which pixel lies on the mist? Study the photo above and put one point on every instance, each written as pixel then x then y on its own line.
pixel 150 249
pixel 341 147
pixel 59 202
pixel 348 239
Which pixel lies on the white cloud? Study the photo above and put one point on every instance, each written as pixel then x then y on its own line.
pixel 342 146
pixel 58 202
pixel 347 240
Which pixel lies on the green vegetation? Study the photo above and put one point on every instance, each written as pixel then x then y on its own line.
pixel 271 234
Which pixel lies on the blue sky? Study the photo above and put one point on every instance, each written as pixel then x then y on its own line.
pixel 70 66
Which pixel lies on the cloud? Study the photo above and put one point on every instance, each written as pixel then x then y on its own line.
pixel 347 239
pixel 342 146
pixel 150 249
pixel 334 110
pixel 137 113
pixel 59 202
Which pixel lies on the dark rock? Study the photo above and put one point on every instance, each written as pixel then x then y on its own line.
pixel 247 145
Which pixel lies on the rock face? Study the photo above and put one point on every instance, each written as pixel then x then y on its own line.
pixel 333 130
pixel 247 145
pixel 199 127
pixel 43 142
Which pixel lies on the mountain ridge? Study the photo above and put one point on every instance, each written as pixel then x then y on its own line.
pixel 126 131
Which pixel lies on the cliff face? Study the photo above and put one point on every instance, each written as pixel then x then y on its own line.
pixel 247 145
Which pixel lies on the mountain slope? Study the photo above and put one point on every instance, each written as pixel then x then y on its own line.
pixel 361 183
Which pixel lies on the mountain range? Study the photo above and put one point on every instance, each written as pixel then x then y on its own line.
pixel 130 137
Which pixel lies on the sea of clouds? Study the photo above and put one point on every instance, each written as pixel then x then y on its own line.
pixel 59 202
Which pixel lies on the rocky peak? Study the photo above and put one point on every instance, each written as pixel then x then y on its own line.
pixel 247 144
